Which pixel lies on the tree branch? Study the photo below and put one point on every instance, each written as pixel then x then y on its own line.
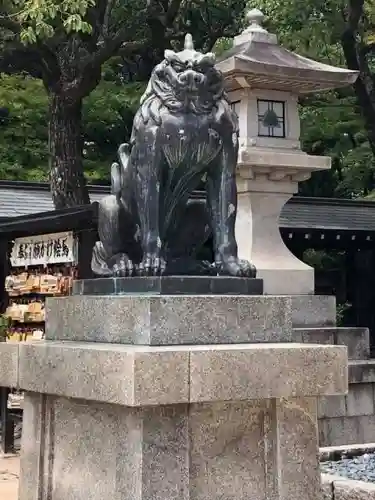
pixel 21 59
pixel 368 49
pixel 51 71
pixel 9 24
pixel 348 39
pixel 116 45
pixel 110 45
pixel 355 14
pixel 364 85
pixel 106 19
pixel 172 12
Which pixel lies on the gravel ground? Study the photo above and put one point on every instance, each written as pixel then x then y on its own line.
pixel 360 468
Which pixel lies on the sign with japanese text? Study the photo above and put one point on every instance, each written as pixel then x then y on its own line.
pixel 57 248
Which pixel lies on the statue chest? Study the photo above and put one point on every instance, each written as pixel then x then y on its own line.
pixel 190 136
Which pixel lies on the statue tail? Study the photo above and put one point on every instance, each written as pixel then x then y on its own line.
pixel 124 155
pixel 118 170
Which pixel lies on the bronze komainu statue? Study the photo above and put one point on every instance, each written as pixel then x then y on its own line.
pixel 185 135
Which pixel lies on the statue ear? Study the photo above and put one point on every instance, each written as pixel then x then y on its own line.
pixel 115 179
pixel 169 55
pixel 208 58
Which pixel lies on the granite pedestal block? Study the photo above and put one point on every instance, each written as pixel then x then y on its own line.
pixel 119 404
pixel 8 364
pixel 169 319
pixel 74 450
pixel 150 375
pixel 173 422
pixel 313 311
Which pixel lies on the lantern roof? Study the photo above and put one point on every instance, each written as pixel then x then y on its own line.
pixel 256 60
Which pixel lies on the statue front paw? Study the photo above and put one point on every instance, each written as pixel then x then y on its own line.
pixel 152 265
pixel 233 266
pixel 122 266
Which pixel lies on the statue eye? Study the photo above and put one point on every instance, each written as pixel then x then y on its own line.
pixel 201 67
pixel 177 66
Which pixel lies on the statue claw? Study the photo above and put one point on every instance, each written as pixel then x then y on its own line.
pixel 232 266
pixel 152 265
pixel 123 266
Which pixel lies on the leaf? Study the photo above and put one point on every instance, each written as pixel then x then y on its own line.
pixel 52 11
pixel 28 36
pixel 86 27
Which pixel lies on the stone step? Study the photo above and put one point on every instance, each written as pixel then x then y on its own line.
pixel 357 340
pixel 362 371
pixel 350 419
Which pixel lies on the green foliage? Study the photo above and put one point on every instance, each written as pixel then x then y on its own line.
pixel 108 115
pixel 40 19
pixel 332 125
pixel 24 135
pixel 107 119
pixel 310 27
pixel 209 20
pixel 69 44
pixel 70 32
pixel 323 260
pixel 324 263
pixel 341 312
pixel 331 122
pixel 222 45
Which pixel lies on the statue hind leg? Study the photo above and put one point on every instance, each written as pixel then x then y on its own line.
pixel 117 251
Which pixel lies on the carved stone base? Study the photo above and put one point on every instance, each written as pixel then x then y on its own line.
pixel 174 423
pixel 251 450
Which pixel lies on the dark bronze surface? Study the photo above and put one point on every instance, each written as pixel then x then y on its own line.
pixel 185 135
pixel 169 285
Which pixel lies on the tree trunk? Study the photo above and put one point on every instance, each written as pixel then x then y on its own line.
pixel 68 184
pixel 355 57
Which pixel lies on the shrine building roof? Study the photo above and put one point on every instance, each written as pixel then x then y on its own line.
pixel 22 202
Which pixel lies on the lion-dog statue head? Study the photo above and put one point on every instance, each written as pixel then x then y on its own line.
pixel 185 81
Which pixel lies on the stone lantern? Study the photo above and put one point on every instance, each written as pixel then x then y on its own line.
pixel 264 81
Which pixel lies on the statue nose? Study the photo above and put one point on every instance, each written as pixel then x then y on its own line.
pixel 190 77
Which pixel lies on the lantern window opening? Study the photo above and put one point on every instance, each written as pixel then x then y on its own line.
pixel 271 118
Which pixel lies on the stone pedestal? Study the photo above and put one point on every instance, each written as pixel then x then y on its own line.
pixel 147 420
pixel 266 180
